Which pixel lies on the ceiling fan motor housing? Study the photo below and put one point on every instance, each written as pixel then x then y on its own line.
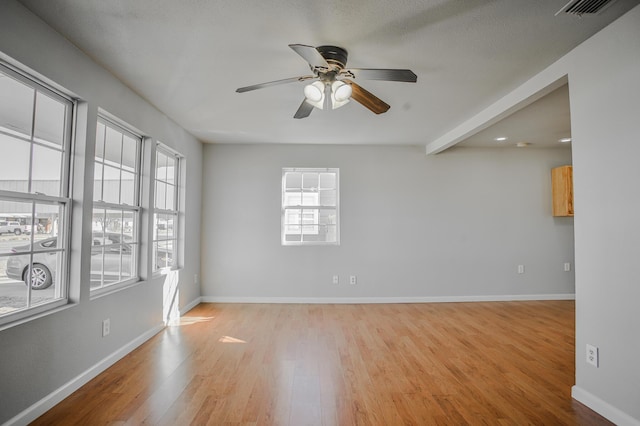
pixel 334 55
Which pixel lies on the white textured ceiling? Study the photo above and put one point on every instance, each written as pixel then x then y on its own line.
pixel 188 57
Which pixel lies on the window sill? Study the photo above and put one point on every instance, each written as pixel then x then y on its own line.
pixel 64 305
pixel 165 271
pixel 106 291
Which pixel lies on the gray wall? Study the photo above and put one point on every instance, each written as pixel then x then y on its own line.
pixel 413 227
pixel 41 356
pixel 605 113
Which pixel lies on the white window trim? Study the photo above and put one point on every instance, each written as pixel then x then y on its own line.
pixel 27 314
pixel 176 202
pixel 137 209
pixel 336 208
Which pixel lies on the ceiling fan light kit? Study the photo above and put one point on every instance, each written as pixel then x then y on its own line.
pixel 333 86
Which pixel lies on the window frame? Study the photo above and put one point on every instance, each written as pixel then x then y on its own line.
pixel 316 208
pixel 123 208
pixel 63 199
pixel 175 212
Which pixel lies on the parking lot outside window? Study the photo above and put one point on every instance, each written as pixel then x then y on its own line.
pixel 35 141
pixel 116 207
pixel 166 213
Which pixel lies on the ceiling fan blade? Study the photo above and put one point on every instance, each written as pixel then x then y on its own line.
pixel 311 55
pixel 304 110
pixel 367 99
pixel 406 76
pixel 274 83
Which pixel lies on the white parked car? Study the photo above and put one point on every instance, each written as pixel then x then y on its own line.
pixel 16 228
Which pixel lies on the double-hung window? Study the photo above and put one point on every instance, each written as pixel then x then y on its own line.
pixel 35 140
pixel 166 210
pixel 116 206
pixel 310 206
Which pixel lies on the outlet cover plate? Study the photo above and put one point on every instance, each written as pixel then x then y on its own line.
pixel 106 327
pixel 592 355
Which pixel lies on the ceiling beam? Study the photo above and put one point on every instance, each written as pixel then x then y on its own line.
pixel 533 89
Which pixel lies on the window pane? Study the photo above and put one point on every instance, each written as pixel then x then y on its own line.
pixel 310 181
pixel 13 236
pixel 128 189
pixel 16 107
pixel 161 166
pixel 111 185
pixel 171 170
pixel 48 224
pixel 328 197
pixel 309 199
pixel 113 225
pixel 163 251
pixel 16 271
pixel 327 180
pixel 127 260
pixel 42 273
pixel 98 224
pixel 97 182
pixel 293 237
pixel 161 227
pixel 13 291
pixel 170 202
pixel 129 153
pixel 50 119
pixel 46 170
pixel 100 141
pixel 129 226
pixel 161 192
pixel 97 261
pixel 113 147
pixel 14 163
pixel 171 221
pixel 293 180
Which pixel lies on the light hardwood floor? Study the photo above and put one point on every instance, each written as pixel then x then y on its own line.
pixel 390 364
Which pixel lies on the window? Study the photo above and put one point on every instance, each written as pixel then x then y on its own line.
pixel 310 206
pixel 35 139
pixel 116 206
pixel 165 216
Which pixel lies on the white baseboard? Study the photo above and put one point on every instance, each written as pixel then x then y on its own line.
pixel 364 300
pixel 189 306
pixel 55 397
pixel 603 408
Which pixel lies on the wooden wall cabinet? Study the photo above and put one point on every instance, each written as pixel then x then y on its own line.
pixel 562 190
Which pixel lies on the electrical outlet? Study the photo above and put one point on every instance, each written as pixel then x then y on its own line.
pixel 567 267
pixel 195 278
pixel 521 269
pixel 353 280
pixel 336 279
pixel 106 327
pixel 592 355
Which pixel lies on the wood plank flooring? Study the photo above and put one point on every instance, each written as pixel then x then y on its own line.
pixel 488 363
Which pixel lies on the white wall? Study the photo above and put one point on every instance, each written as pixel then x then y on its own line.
pixel 413 228
pixel 604 81
pixel 41 358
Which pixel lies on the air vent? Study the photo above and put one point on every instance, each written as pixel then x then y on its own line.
pixel 584 7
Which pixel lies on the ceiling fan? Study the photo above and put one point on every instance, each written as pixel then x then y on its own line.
pixel 333 86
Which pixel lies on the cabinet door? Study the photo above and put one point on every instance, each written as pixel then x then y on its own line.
pixel 562 190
